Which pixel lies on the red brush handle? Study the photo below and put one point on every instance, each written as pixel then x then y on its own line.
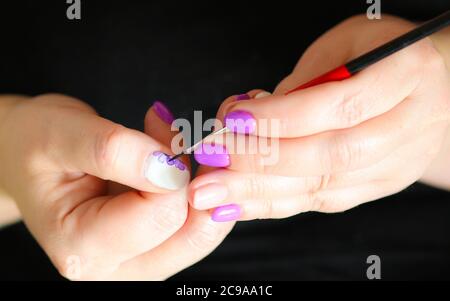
pixel 340 73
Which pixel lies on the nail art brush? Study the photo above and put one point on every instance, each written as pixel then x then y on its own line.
pixel 192 148
pixel 359 63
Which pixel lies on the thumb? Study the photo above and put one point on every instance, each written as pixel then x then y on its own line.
pixel 107 150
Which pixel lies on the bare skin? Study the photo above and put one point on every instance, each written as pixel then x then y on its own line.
pixel 94 211
pixel 83 198
pixel 344 143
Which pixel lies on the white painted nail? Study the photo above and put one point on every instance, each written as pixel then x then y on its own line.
pixel 262 94
pixel 171 175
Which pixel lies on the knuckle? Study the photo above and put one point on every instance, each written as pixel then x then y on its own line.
pixel 315 184
pixel 51 97
pixel 205 237
pixel 80 259
pixel 322 182
pixel 255 187
pixel 322 203
pixel 351 110
pixel 69 267
pixel 34 159
pixel 63 101
pixel 170 216
pixel 315 201
pixel 266 208
pixel 107 148
pixel 341 154
pixel 74 267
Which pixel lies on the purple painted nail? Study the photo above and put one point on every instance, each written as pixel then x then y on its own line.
pixel 242 97
pixel 163 112
pixel 226 213
pixel 215 155
pixel 241 122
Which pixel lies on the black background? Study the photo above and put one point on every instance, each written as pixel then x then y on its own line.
pixel 123 55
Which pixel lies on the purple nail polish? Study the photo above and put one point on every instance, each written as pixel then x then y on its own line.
pixel 241 122
pixel 242 97
pixel 214 155
pixel 163 112
pixel 159 173
pixel 161 157
pixel 164 158
pixel 226 213
pixel 180 165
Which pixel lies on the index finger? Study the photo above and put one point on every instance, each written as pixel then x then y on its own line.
pixel 113 152
pixel 335 105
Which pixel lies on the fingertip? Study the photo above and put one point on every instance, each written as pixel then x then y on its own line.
pixel 236 98
pixel 258 93
pixel 158 121
pixel 163 112
pixel 262 94
pixel 209 196
pixel 227 213
pixel 165 173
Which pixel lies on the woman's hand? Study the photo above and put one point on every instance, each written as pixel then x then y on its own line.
pixel 339 144
pixel 9 212
pixel 101 199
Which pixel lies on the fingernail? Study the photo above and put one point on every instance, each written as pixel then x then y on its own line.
pixel 209 196
pixel 163 112
pixel 262 94
pixel 226 213
pixel 242 97
pixel 240 122
pixel 214 155
pixel 171 175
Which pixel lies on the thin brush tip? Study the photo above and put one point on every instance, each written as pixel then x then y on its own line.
pixel 175 157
